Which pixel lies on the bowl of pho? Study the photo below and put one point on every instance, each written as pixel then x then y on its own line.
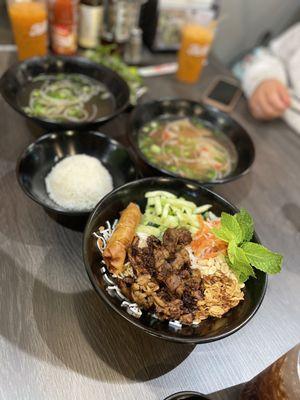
pixel 64 92
pixel 186 139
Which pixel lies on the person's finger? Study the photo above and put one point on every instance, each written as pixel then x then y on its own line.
pixel 255 108
pixel 257 111
pixel 269 102
pixel 275 100
pixel 260 106
pixel 268 111
pixel 284 95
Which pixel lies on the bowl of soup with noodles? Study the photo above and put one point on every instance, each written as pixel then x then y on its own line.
pixel 185 139
pixel 62 93
pixel 188 148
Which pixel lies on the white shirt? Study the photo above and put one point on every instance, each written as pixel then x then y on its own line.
pixel 281 61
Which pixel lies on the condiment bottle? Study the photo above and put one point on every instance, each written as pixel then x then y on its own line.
pixel 120 17
pixel 90 23
pixel 280 381
pixel 133 48
pixel 63 26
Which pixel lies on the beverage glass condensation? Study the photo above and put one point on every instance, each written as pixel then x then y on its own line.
pixel 29 25
pixel 195 44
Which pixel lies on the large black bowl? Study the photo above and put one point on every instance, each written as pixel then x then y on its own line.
pixel 39 157
pixel 19 75
pixel 187 396
pixel 209 116
pixel 109 209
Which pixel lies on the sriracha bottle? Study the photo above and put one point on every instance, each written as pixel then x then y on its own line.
pixel 63 26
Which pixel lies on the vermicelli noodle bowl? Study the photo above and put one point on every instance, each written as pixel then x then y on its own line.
pixel 154 252
pixel 178 261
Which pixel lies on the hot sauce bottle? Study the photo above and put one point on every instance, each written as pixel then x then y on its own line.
pixel 63 26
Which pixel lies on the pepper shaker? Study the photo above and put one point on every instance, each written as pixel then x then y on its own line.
pixel 133 48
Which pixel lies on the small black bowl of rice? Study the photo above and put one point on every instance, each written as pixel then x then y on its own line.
pixel 69 172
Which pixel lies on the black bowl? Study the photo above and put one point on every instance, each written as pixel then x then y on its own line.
pixel 109 209
pixel 209 116
pixel 39 157
pixel 19 75
pixel 187 396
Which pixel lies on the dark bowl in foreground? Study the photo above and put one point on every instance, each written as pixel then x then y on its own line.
pixel 38 159
pixel 109 208
pixel 187 396
pixel 209 116
pixel 15 79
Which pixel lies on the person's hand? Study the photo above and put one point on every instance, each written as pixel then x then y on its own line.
pixel 269 100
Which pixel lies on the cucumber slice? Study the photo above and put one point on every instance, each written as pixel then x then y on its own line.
pixel 202 209
pixel 156 193
pixel 158 206
pixel 148 230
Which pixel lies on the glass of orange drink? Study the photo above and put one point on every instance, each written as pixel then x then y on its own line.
pixel 29 24
pixel 195 44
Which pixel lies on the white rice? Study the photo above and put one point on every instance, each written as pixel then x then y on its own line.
pixel 78 182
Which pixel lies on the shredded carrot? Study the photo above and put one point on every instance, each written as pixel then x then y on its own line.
pixel 205 243
pixel 218 166
pixel 201 222
pixel 166 135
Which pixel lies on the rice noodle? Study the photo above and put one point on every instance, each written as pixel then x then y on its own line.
pixel 64 97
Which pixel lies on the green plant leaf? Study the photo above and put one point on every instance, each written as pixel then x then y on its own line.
pixel 262 258
pixel 229 230
pixel 239 262
pixel 246 224
pixel 243 255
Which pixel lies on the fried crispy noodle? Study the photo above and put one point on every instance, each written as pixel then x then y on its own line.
pixel 104 233
pixel 222 290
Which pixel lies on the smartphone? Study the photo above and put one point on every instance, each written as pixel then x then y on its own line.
pixel 223 93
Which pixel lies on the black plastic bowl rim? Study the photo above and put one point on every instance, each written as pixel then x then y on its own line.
pixel 186 395
pixel 123 313
pixel 79 60
pixel 229 178
pixel 69 213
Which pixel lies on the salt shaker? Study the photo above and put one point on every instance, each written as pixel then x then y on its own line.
pixel 133 48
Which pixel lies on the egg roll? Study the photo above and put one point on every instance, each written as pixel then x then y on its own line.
pixel 115 252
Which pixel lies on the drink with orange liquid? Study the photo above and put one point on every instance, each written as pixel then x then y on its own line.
pixel 195 44
pixel 29 24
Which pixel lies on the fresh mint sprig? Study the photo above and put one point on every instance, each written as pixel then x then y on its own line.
pixel 242 254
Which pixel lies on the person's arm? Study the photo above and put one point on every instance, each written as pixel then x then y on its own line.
pixel 264 66
pixel 265 80
pixel 287 44
pixel 265 85
pixel 271 63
